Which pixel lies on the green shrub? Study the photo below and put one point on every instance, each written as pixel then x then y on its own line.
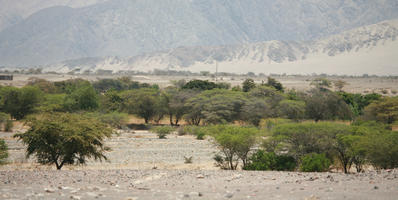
pixel 315 163
pixel 262 161
pixel 199 132
pixel 3 151
pixel 162 131
pixel 181 131
pixel 5 120
pixel 114 119
pixel 8 126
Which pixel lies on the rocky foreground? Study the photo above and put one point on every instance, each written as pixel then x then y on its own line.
pixel 191 184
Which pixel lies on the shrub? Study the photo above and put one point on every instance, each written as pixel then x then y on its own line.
pixel 314 163
pixel 188 160
pixel 163 131
pixel 3 151
pixel 181 131
pixel 8 126
pixel 261 161
pixel 114 119
pixel 199 132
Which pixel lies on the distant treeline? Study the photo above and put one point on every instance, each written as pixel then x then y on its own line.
pixel 159 72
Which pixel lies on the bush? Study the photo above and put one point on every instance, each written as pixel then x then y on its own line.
pixel 8 126
pixel 3 151
pixel 261 161
pixel 114 119
pixel 315 163
pixel 162 131
pixel 199 132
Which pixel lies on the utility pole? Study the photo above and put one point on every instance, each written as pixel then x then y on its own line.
pixel 216 70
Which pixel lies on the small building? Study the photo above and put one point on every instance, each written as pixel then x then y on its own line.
pixel 6 77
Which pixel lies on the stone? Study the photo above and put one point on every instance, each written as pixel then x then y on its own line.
pixel 75 197
pixel 49 190
pixel 228 195
pixel 200 176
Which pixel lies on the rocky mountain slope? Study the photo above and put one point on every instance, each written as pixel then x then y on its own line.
pixel 12 12
pixel 132 27
pixel 368 49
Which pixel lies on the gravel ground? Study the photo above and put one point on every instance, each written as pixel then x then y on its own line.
pixel 130 175
pixel 192 184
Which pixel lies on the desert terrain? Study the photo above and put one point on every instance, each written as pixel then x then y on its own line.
pixel 141 166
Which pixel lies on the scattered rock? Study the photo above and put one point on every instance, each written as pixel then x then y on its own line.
pixel 228 195
pixel 200 176
pixel 49 190
pixel 131 198
pixel 75 197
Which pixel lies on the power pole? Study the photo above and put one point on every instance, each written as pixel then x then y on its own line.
pixel 216 70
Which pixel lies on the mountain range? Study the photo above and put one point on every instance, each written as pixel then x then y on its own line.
pixel 368 49
pixel 184 33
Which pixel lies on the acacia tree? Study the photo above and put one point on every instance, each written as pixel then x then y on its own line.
pixel 248 85
pixel 384 110
pixel 323 104
pixel 234 143
pixel 142 102
pixel 63 138
pixel 19 102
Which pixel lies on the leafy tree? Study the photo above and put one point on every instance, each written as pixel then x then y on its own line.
pixel 381 148
pixel 326 105
pixel 42 84
pixel 62 138
pixel 248 85
pixel 322 84
pixel 200 85
pixel 304 138
pixel 3 151
pixel 275 84
pixel 254 110
pixel 19 102
pixel 111 101
pixel 357 102
pixel 176 103
pixel 269 94
pixel 339 84
pixel 290 109
pixel 104 85
pixel 83 98
pixel 141 102
pixel 215 107
pixel 69 86
pixel 234 143
pixel 384 110
pixel 52 103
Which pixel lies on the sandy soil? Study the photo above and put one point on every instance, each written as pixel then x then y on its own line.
pixel 130 175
